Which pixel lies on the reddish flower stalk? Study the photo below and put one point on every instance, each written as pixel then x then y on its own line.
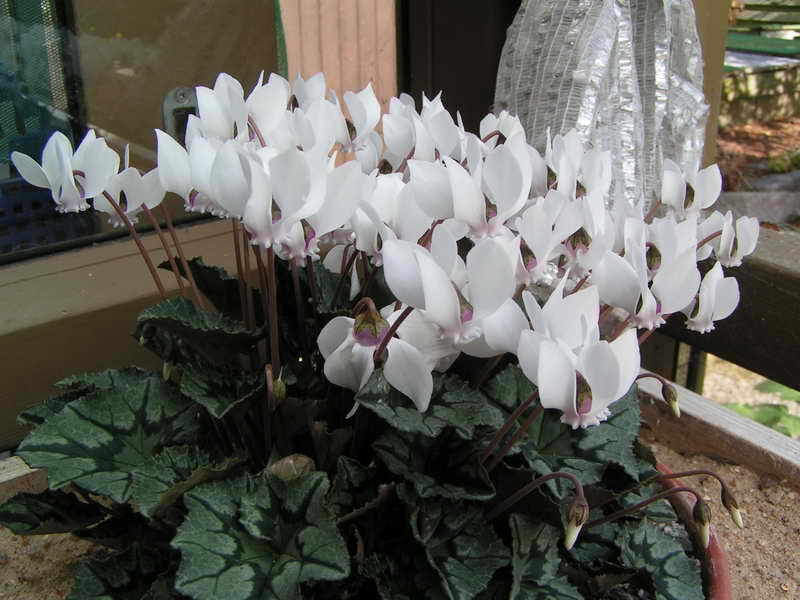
pixel 136 238
pixel 523 429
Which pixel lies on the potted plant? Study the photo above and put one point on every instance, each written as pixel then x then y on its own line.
pixel 421 386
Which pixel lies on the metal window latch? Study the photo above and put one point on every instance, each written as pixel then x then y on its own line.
pixel 178 104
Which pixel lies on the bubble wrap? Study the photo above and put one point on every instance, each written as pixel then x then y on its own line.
pixel 627 74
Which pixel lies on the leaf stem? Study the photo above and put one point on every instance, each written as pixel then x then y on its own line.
pixel 383 493
pixel 137 238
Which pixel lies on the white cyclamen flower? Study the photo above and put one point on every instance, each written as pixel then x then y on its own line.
pixel 348 346
pixel 71 178
pixel 716 300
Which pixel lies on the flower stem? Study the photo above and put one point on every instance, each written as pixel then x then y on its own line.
pixel 620 329
pixel 165 244
pixel 708 238
pixel 137 238
pixel 345 272
pixel 523 429
pixel 201 301
pixel 383 493
pixel 254 128
pixel 499 509
pixel 262 281
pixel 652 212
pixel 248 296
pixel 578 287
pixel 240 272
pixel 506 426
pixel 274 335
pixel 376 357
pixel 312 279
pixel 632 509
pixel 300 304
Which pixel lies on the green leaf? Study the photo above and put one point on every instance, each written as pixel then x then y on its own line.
pixel 220 390
pixel 208 330
pixel 103 380
pixel 329 445
pixel 405 575
pixel 132 575
pixel 453 404
pixel 459 543
pixel 217 285
pixel 535 562
pixel 647 547
pixel 353 486
pixel 772 387
pixel 775 416
pixel 39 413
pixel 553 446
pixel 327 284
pixel 445 467
pixel 48 512
pixel 258 538
pixel 99 441
pixel 162 481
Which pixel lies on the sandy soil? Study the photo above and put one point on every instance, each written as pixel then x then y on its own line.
pixel 765 556
pixel 39 567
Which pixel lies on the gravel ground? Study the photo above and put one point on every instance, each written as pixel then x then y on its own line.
pixel 725 383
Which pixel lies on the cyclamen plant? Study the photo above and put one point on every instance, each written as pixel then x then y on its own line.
pixel 432 373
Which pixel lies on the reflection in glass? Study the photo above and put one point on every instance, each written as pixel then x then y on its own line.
pixel 121 68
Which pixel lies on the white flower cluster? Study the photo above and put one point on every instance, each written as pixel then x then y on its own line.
pixel 462 225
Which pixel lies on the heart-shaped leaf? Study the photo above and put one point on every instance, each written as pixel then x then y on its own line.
pixel 100 440
pixel 535 562
pixel 445 467
pixel 453 404
pixel 258 538
pixel 220 390
pixel 48 512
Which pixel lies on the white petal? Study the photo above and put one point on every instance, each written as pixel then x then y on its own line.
pixel 30 170
pixel 343 194
pixel 626 352
pixel 398 134
pixel 293 184
pixel 707 186
pixel 444 249
pixel 617 282
pixel 528 353
pixel 556 378
pixel 598 365
pixel 491 277
pixel 726 298
pixel 502 329
pixel 267 105
pixel 407 372
pixel 443 131
pixel 441 301
pixel 673 186
pixel 402 272
pixel 432 184
pixel 173 165
pixel 333 334
pixel 230 187
pixel 257 217
pixel 468 202
pixel 215 119
pixel 676 283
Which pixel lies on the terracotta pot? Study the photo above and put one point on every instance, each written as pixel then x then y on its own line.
pixel 716 571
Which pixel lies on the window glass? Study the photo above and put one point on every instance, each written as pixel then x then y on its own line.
pixel 121 68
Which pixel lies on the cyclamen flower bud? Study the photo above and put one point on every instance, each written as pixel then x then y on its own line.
pixel 292 466
pixel 670 395
pixel 577 515
pixel 701 514
pixel 732 506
